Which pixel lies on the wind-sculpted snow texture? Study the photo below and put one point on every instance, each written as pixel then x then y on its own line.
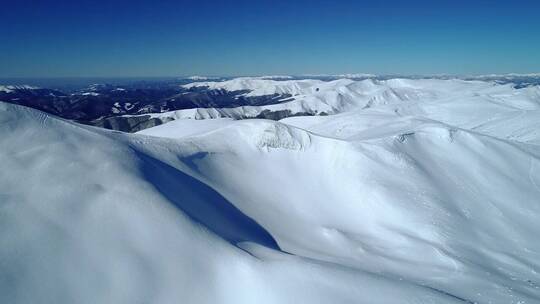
pixel 411 191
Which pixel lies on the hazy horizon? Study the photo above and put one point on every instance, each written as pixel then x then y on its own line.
pixel 307 75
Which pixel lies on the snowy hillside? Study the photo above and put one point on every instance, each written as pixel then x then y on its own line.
pixel 316 97
pixel 11 88
pixel 411 191
pixel 260 86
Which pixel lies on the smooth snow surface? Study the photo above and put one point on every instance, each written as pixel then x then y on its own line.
pixel 431 194
pixel 186 127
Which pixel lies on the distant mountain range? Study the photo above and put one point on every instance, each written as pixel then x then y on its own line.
pixel 130 105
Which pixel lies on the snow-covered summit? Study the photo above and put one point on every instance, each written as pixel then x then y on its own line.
pixel 534 75
pixel 260 86
pixel 200 78
pixel 313 97
pixel 276 77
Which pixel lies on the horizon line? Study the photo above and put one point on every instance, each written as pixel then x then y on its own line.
pixel 356 75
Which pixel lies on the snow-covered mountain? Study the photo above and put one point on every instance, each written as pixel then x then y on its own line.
pixel 11 88
pixel 133 106
pixel 316 97
pixel 260 86
pixel 410 191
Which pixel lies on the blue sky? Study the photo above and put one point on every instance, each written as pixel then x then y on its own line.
pixel 172 38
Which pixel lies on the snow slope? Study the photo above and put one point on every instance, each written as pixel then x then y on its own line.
pixel 428 195
pixel 315 97
pixel 495 110
pixel 260 86
pixel 445 208
pixel 186 127
pixel 94 216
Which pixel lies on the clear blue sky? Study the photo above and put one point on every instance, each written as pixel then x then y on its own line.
pixel 170 38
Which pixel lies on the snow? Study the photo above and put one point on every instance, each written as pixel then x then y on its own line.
pixel 11 88
pixel 350 76
pixel 136 227
pixel 90 94
pixel 197 78
pixel 260 87
pixel 511 75
pixel 186 127
pixel 414 191
pixel 276 77
pixel 341 95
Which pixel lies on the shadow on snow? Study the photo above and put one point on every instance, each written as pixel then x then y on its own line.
pixel 203 204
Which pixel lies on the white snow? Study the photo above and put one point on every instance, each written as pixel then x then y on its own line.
pixel 11 88
pixel 414 191
pixel 351 76
pixel 509 75
pixel 199 78
pixel 342 95
pixel 276 77
pixel 186 127
pixel 90 94
pixel 259 86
